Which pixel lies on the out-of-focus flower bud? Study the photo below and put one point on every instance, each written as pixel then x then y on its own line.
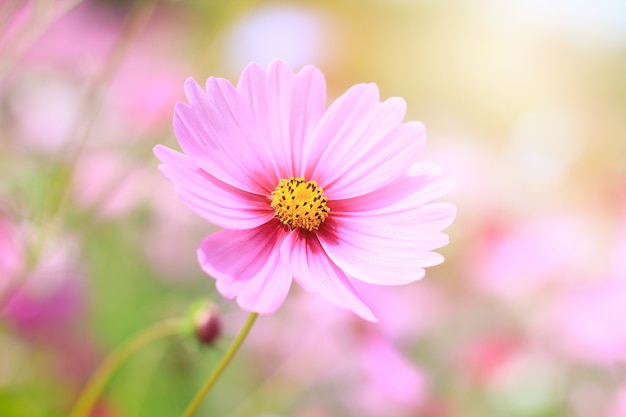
pixel 207 324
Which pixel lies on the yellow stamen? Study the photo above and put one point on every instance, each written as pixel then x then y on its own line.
pixel 300 204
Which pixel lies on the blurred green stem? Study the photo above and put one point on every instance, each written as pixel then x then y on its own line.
pixel 221 366
pixel 92 103
pixel 41 15
pixel 96 384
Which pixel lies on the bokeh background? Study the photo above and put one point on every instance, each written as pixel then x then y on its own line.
pixel 525 107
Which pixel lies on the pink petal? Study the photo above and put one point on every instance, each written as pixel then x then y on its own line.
pixel 386 237
pixel 247 265
pixel 406 194
pixel 377 250
pixel 426 219
pixel 214 130
pixel 219 203
pixel 317 273
pixel 361 144
pixel 285 109
pixel 251 136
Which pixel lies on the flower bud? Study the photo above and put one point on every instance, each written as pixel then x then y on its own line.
pixel 208 325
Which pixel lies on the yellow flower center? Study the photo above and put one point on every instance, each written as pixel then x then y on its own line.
pixel 300 204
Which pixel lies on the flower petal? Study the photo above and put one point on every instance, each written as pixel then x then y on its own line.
pixel 378 250
pixel 219 203
pixel 362 144
pixel 251 136
pixel 406 194
pixel 317 273
pixel 285 108
pixel 386 237
pixel 247 265
pixel 215 132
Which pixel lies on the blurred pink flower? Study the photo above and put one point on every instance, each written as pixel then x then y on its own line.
pixel 11 255
pixel 39 303
pixel 482 359
pixel 76 43
pixel 405 313
pixel 591 324
pixel 15 18
pixel 44 303
pixel 35 297
pixel 44 299
pixel 618 408
pixel 47 99
pixel 368 358
pixel 143 93
pixel 109 184
pixel 335 335
pixel 325 196
pixel 590 318
pixel 517 260
pixel 391 384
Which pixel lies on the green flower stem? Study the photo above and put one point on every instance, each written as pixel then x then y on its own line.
pixel 96 384
pixel 221 366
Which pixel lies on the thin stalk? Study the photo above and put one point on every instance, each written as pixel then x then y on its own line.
pixel 105 371
pixel 221 366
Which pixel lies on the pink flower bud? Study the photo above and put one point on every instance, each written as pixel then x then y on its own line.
pixel 208 325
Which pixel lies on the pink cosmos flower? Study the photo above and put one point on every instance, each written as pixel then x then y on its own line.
pixel 325 196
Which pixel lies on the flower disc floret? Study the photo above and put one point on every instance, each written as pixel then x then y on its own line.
pixel 299 203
